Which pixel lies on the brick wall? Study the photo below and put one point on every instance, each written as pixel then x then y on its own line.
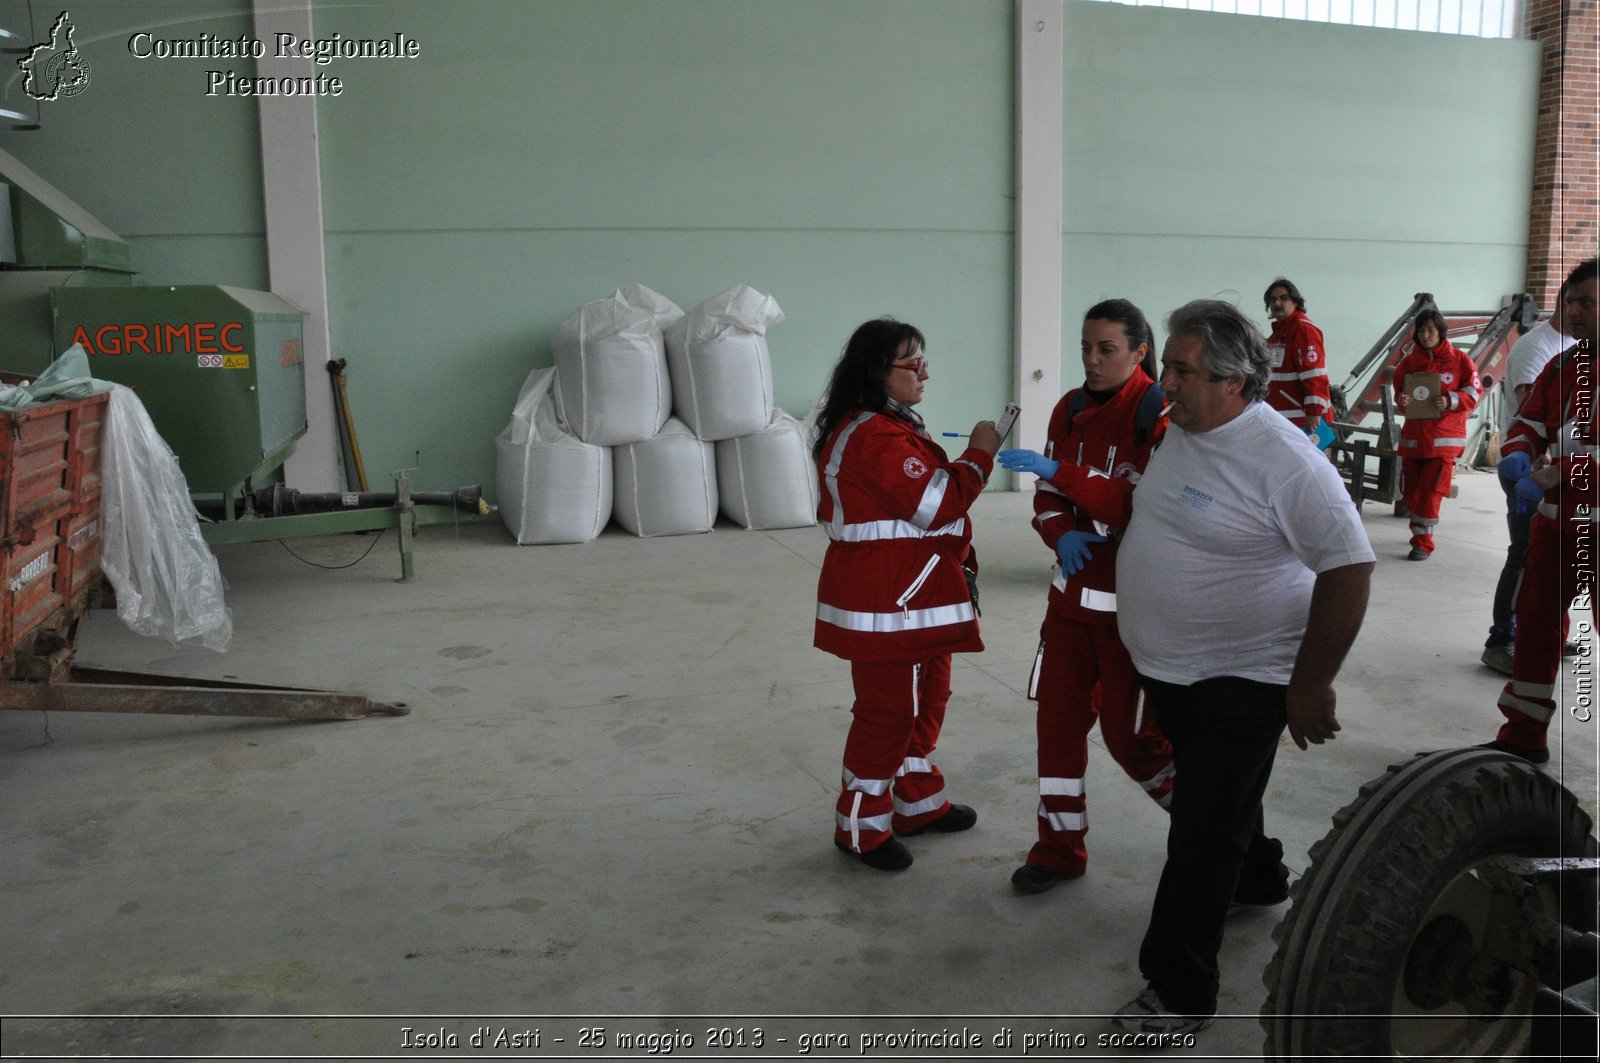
pixel 1566 184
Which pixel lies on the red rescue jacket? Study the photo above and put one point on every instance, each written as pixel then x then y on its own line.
pixel 1102 457
pixel 895 510
pixel 1297 386
pixel 1562 396
pixel 1446 435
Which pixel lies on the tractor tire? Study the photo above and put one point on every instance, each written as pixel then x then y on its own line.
pixel 1404 856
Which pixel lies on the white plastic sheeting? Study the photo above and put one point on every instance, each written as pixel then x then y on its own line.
pixel 612 370
pixel 721 369
pixel 166 578
pixel 767 479
pixel 666 485
pixel 552 487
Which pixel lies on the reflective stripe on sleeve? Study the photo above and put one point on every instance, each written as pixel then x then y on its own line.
pixel 830 475
pixel 932 498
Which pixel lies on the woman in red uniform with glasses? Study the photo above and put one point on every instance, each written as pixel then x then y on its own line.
pixel 893 598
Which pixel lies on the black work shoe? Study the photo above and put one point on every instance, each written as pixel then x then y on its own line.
pixel 1570 649
pixel 892 855
pixel 1035 878
pixel 1417 554
pixel 1245 900
pixel 960 817
pixel 1529 754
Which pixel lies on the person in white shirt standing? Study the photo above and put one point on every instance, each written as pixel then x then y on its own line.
pixel 1529 355
pixel 1242 582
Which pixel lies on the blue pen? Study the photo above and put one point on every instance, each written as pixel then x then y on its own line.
pixel 956 435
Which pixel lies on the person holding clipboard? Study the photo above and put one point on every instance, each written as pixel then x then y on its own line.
pixel 1436 385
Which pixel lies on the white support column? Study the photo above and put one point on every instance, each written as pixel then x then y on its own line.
pixel 291 185
pixel 1040 79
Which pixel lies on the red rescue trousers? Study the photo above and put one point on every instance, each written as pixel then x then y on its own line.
pixel 1082 672
pixel 1424 484
pixel 1557 567
pixel 888 782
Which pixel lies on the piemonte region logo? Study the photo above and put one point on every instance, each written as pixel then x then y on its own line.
pixel 55 69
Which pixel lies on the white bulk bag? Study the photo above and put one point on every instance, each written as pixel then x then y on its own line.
pixel 612 372
pixel 665 312
pixel 767 479
pixel 552 486
pixel 666 485
pixel 721 370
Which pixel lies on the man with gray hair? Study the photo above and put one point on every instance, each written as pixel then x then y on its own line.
pixel 1242 581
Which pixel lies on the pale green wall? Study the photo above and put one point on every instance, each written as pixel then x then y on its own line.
pixel 1206 154
pixel 174 173
pixel 851 157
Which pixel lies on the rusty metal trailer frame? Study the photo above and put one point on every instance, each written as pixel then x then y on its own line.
pixel 1368 456
pixel 106 690
pixel 41 676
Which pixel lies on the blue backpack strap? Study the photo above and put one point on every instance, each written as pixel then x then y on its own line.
pixel 1148 413
pixel 1145 415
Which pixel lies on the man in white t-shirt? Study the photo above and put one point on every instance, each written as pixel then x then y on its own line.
pixel 1242 581
pixel 1529 355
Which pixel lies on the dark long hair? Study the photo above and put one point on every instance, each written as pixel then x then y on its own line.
pixel 858 380
pixel 1134 326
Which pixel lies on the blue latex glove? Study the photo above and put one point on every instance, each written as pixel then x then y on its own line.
pixel 1029 461
pixel 1514 467
pixel 1073 550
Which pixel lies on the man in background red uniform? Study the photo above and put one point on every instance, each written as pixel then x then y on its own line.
pixel 1297 386
pixel 1560 562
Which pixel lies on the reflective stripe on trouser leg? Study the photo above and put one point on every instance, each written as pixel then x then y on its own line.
pixel 919 793
pixel 1426 482
pixel 1132 736
pixel 1064 683
pixel 894 723
pixel 1554 570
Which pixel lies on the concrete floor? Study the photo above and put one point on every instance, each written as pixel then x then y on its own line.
pixel 611 804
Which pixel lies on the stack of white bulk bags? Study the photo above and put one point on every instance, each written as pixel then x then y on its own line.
pixel 721 370
pixel 666 485
pixel 552 486
pixel 612 384
pixel 767 479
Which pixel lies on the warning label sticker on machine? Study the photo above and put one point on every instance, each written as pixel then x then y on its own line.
pixel 224 361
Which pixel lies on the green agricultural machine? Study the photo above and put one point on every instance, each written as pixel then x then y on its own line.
pixel 221 371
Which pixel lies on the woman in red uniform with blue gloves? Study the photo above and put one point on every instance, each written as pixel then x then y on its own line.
pixel 1430 446
pixel 1099 441
pixel 893 598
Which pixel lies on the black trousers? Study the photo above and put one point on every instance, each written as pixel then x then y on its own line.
pixel 1224 734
